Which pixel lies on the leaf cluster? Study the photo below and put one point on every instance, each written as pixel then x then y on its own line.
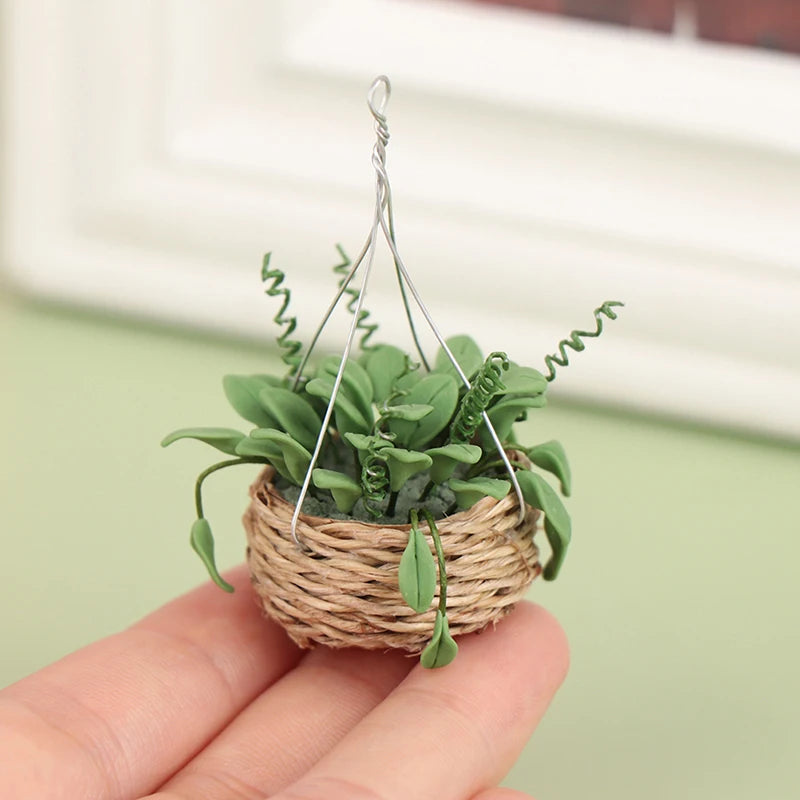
pixel 391 422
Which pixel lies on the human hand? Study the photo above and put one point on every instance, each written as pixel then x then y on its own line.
pixel 206 699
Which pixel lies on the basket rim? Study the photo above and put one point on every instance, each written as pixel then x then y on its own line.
pixel 264 482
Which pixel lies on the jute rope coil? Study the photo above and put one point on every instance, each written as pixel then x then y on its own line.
pixel 341 589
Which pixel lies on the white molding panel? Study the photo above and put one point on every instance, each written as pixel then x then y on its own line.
pixel 154 150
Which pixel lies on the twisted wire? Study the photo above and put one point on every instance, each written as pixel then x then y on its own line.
pixel 485 385
pixel 574 340
pixel 291 347
pixel 382 221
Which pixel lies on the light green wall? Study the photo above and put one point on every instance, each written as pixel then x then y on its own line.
pixel 680 594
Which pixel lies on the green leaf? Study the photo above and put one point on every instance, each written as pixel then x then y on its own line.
pixel 551 457
pixel 294 455
pixel 523 380
pixel 202 541
pixel 417 575
pixel 466 352
pixel 356 383
pixel 447 458
pixel 262 448
pixel 470 492
pixel 224 439
pixel 408 381
pixel 348 417
pixel 384 365
pixel 360 440
pixel 242 392
pixel 557 525
pixel 293 413
pixel 403 464
pixel 442 648
pixel 344 489
pixel 411 413
pixel 506 413
pixel 437 390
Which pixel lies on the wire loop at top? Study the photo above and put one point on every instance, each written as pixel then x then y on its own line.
pixel 378 96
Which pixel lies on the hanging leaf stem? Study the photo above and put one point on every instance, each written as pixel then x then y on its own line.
pixel 437 543
pixel 198 486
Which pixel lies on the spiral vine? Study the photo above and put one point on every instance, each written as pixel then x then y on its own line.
pixel 485 385
pixel 374 471
pixel 575 340
pixel 374 476
pixel 367 329
pixel 291 347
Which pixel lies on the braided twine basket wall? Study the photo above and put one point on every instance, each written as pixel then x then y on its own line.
pixel 342 591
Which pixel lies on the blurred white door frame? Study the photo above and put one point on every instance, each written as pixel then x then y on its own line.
pixel 153 150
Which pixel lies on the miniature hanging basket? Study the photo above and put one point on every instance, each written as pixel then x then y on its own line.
pixel 341 589
pixel 376 437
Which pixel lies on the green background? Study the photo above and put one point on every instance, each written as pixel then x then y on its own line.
pixel 680 594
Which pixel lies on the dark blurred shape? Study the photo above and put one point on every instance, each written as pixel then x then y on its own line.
pixel 654 15
pixel 774 24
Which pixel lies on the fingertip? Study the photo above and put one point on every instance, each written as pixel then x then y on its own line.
pixel 550 636
pixel 530 639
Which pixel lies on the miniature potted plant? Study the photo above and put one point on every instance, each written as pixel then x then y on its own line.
pixel 396 507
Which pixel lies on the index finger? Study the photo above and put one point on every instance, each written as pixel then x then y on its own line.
pixel 120 716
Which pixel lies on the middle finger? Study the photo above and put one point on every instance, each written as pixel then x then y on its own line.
pixel 291 726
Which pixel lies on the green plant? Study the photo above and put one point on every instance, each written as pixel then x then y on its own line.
pixel 404 442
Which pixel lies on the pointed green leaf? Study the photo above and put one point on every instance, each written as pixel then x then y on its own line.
pixel 294 455
pixel 465 351
pixel 224 439
pixel 523 381
pixel 447 458
pixel 410 412
pixel 243 391
pixel 417 574
pixel 551 457
pixel 403 464
pixel 504 414
pixel 267 450
pixel 360 440
pixel 470 492
pixel 344 489
pixel 356 383
pixel 293 413
pixel 349 418
pixel 442 648
pixel 384 365
pixel 202 541
pixel 437 390
pixel 558 527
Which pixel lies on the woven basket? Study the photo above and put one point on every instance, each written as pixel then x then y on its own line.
pixel 341 590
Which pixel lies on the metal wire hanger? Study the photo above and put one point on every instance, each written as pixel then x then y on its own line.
pixel 383 220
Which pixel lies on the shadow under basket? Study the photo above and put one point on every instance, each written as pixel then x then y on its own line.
pixel 341 589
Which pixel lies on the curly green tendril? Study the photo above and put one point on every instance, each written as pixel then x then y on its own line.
pixel 574 340
pixel 485 385
pixel 291 347
pixel 367 329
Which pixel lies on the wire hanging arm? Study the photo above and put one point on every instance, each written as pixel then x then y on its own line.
pixel 464 379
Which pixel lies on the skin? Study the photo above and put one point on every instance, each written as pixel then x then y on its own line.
pixel 205 698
